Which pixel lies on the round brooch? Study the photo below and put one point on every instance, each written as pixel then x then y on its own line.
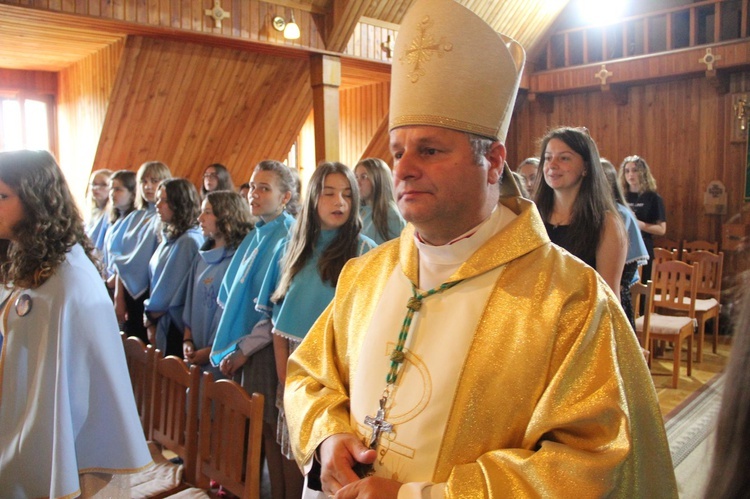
pixel 23 305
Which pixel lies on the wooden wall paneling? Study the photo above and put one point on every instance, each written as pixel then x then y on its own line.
pixel 83 98
pixel 290 118
pixel 190 105
pixel 42 82
pixel 379 146
pixel 362 111
pixel 201 103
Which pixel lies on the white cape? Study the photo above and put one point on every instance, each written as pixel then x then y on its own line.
pixel 66 402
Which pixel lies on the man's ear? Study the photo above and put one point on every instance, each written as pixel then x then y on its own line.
pixel 496 158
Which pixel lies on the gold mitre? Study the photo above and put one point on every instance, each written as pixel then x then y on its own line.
pixel 452 70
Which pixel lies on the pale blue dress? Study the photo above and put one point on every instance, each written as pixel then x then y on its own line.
pixel 242 282
pixel 307 297
pixel 396 223
pixel 169 269
pixel 132 245
pixel 202 312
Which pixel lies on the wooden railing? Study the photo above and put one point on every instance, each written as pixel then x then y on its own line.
pixel 701 23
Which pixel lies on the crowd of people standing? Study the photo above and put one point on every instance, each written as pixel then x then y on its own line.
pixel 233 283
pixel 388 368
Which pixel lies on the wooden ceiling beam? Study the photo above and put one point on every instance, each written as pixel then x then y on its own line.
pixel 341 22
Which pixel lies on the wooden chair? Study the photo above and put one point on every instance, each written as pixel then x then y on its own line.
pixel 665 255
pixel 140 359
pixel 688 246
pixel 230 437
pixel 668 244
pixel 673 311
pixel 174 427
pixel 708 299
pixel 643 293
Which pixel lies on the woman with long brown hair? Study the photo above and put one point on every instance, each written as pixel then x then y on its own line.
pixel 576 203
pixel 381 220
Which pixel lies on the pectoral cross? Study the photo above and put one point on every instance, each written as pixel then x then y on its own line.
pixel 378 425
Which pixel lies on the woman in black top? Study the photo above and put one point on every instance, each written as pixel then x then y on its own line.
pixel 640 193
pixel 576 203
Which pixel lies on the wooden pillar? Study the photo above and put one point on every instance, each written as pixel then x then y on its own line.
pixel 325 76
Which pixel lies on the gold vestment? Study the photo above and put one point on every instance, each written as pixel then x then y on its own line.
pixel 571 413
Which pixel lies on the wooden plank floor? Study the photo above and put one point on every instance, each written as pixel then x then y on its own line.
pixel 661 373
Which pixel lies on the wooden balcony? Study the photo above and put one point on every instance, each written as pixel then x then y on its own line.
pixel 703 23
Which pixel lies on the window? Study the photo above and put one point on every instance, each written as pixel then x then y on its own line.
pixel 25 123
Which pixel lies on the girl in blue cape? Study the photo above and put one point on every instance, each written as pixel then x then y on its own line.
pixel 122 200
pixel 68 420
pixel 178 205
pixel 381 220
pixel 133 244
pixel 301 280
pixel 97 195
pixel 225 220
pixel 243 346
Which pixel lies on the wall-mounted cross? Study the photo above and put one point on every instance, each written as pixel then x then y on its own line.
pixel 603 74
pixel 709 59
pixel 217 13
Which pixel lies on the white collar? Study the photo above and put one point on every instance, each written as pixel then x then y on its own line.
pixel 438 263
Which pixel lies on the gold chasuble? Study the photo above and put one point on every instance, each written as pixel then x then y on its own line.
pixel 522 380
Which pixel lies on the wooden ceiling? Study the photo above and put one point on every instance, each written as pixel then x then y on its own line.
pixel 35 40
pixel 45 41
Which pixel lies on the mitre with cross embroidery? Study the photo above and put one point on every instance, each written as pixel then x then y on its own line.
pixel 442 77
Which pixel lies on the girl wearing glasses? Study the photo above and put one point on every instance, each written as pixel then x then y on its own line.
pixel 97 194
pixel 216 178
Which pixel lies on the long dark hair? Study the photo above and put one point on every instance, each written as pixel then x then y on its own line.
pixel 182 198
pixel 307 231
pixel 594 197
pixel 127 178
pixel 51 225
pixel 222 175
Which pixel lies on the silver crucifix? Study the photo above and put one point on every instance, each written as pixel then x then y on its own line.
pixel 378 425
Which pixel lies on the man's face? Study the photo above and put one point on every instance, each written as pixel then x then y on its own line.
pixel 439 187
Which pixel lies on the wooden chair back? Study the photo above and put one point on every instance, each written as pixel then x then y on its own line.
pixel 642 293
pixel 668 244
pixel 174 414
pixel 664 255
pixel 140 359
pixel 230 437
pixel 675 287
pixel 688 246
pixel 710 270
